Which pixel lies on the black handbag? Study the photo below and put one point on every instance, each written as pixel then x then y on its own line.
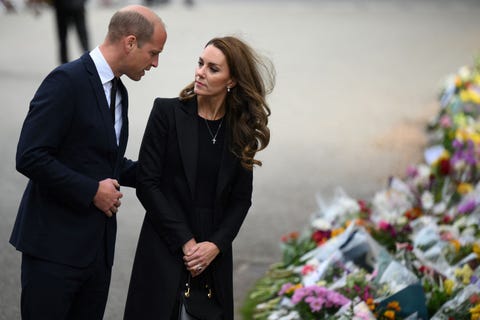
pixel 198 303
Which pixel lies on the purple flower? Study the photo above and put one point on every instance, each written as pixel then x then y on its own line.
pixel 298 295
pixel 473 279
pixel 316 304
pixel 285 288
pixel 318 297
pixel 467 206
pixel 457 144
pixel 412 171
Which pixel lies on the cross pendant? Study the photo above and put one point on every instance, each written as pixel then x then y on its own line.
pixel 214 140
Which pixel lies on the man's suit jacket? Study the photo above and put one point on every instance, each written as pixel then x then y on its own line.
pixel 67 145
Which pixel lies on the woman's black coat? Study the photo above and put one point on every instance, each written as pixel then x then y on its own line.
pixel 166 188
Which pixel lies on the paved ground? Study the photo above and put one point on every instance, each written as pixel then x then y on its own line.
pixel 357 79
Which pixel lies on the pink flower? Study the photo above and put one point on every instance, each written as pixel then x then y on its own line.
pixel 285 288
pixel 445 121
pixel 318 297
pixel 316 304
pixel 307 269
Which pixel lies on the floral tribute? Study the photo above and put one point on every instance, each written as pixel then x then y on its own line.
pixel 410 252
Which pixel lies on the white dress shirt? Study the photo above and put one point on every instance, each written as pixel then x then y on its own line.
pixel 106 76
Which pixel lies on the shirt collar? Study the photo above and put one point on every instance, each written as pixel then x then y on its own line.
pixel 103 69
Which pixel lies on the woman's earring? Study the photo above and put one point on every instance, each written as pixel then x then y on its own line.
pixel 228 89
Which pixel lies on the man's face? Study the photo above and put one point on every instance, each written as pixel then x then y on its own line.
pixel 142 58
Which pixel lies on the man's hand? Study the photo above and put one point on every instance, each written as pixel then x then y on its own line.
pixel 107 198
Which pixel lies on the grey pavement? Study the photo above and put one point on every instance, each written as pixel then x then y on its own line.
pixel 356 82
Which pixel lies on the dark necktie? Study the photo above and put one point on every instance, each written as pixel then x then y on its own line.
pixel 113 95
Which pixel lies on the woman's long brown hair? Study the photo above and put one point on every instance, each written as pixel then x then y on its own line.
pixel 247 110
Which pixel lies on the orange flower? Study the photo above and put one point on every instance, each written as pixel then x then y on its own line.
pixel 336 232
pixel 394 305
pixel 389 314
pixel 413 213
pixel 371 304
pixel 289 237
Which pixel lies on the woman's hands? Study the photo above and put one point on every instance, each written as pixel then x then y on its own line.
pixel 198 256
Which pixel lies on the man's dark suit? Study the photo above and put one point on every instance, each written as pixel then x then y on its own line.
pixel 67 145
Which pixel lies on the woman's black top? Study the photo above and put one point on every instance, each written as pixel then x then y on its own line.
pixel 209 156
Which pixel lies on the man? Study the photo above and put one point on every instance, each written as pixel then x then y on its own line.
pixel 66 13
pixel 73 153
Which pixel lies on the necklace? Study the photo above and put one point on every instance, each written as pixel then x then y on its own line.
pixel 214 136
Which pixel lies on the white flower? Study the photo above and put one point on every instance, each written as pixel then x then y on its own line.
pixel 321 224
pixel 465 73
pixel 427 200
pixel 439 208
pixel 284 314
pixel 423 176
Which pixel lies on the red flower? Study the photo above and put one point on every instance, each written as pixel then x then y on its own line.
pixel 320 236
pixel 474 299
pixel 363 206
pixel 444 167
pixel 447 219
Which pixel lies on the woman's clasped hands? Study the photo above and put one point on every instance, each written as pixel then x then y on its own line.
pixel 198 256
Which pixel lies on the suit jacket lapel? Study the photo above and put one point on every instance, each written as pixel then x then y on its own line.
pixel 102 103
pixel 186 124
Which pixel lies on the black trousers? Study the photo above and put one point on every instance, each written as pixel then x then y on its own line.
pixel 55 291
pixel 65 17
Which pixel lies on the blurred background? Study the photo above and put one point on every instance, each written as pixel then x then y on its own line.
pixel 357 81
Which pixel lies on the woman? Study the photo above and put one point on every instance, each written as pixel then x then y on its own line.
pixel 195 180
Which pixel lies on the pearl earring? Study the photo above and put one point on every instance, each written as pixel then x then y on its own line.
pixel 228 89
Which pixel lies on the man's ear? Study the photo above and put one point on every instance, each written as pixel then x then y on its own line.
pixel 130 42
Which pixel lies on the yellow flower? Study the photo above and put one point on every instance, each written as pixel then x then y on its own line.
pixel 475 312
pixel 448 284
pixel 465 274
pixel 322 283
pixel 464 188
pixel 476 79
pixel 456 244
pixel 475 309
pixel 293 288
pixel 465 133
pixel 476 249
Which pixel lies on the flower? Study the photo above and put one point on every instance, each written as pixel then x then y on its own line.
pixel 427 223
pixel 317 300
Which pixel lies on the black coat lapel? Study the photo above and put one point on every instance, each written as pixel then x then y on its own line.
pixel 227 166
pixel 186 124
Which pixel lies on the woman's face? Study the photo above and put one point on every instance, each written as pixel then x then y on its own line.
pixel 212 75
